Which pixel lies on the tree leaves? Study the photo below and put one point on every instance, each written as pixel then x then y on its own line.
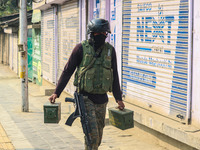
pixel 8 7
pixel 2 4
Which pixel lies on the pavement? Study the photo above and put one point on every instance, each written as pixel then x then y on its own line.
pixel 27 130
pixel 5 142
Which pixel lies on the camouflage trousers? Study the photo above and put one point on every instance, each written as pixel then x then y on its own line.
pixel 96 118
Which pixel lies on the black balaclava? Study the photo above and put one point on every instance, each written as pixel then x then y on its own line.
pixel 97 40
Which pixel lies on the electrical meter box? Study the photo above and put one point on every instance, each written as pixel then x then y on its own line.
pixel 52 112
pixel 122 119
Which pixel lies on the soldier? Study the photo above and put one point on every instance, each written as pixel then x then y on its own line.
pixel 96 81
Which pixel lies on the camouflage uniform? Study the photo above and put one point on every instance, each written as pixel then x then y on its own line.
pixel 96 117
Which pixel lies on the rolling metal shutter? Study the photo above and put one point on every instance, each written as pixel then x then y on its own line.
pixel 48 45
pixel 99 8
pixel 155 58
pixel 113 24
pixel 96 9
pixel 68 36
pixel 102 13
pixel 5 49
pixel 13 52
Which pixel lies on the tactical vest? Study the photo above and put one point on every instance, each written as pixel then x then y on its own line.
pixel 99 78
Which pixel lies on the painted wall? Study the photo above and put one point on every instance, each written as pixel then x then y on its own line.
pixel 30 54
pixel 37 71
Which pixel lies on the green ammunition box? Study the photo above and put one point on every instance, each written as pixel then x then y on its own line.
pixel 122 119
pixel 52 112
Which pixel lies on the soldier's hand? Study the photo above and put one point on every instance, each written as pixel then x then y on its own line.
pixel 120 105
pixel 52 98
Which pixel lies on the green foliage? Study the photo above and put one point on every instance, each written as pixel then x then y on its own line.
pixel 8 7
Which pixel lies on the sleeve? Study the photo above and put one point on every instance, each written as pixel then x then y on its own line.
pixel 74 61
pixel 116 86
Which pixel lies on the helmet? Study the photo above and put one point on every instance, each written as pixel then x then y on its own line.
pixel 98 25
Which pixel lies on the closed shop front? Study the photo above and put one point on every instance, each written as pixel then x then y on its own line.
pixel 99 8
pixel 156 56
pixel 13 55
pixel 48 45
pixel 4 54
pixel 113 24
pixel 37 74
pixel 30 54
pixel 68 36
pixel 116 30
pixel 36 39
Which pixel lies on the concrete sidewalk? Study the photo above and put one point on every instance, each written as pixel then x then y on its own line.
pixel 5 142
pixel 27 131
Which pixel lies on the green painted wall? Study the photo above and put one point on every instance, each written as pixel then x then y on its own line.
pixel 37 73
pixel 30 52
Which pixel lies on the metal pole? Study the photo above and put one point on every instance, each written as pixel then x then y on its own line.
pixel 23 56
